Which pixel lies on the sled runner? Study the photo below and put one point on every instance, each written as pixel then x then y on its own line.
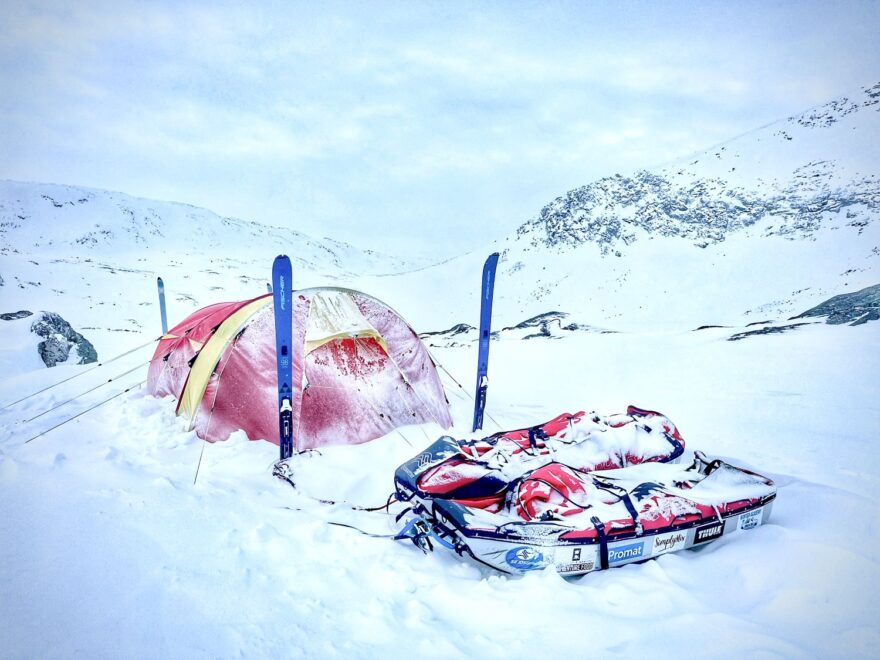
pixel 579 493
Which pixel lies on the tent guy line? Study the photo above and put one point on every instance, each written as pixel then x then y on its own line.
pixel 81 373
pixel 91 389
pixel 80 414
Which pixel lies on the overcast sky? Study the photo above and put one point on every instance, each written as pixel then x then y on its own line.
pixel 425 127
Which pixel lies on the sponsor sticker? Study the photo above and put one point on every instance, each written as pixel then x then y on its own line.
pixel 628 552
pixel 708 532
pixel 668 542
pixel 579 560
pixel 751 519
pixel 525 558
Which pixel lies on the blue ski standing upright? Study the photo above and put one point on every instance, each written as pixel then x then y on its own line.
pixel 485 335
pixel 161 286
pixel 282 298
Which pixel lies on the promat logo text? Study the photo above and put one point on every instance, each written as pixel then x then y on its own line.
pixel 625 552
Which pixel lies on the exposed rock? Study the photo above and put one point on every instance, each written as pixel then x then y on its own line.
pixel 613 211
pixel 60 339
pixel 538 321
pixel 12 316
pixel 457 329
pixel 547 325
pixel 773 330
pixel 706 209
pixel 854 308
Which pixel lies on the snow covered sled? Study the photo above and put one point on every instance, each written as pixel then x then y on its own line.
pixel 580 493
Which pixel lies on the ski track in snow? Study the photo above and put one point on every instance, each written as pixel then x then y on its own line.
pixel 110 550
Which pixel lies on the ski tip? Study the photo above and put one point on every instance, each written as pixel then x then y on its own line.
pixel 159 280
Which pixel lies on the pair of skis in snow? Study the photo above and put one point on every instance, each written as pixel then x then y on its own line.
pixel 282 294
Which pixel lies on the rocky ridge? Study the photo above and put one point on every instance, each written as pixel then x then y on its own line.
pixel 686 200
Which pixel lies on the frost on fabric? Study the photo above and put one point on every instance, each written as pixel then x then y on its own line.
pixel 364 372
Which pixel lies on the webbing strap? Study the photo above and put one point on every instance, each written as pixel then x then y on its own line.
pixel 603 541
pixel 623 495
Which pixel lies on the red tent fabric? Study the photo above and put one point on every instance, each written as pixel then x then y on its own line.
pixel 364 371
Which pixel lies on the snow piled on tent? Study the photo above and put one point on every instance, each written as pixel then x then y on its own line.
pixel 110 550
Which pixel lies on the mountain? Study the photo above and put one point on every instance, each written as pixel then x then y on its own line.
pixel 764 225
pixel 791 177
pixel 79 251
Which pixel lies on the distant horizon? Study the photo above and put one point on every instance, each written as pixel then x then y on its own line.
pixel 410 129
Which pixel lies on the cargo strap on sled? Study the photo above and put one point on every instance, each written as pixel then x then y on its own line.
pixel 603 541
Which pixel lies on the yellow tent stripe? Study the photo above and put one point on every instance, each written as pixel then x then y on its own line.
pixel 209 356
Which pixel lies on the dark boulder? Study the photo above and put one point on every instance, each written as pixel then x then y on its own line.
pixel 60 339
pixel 13 316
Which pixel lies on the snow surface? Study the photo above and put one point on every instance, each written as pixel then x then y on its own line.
pixel 111 550
pixel 19 347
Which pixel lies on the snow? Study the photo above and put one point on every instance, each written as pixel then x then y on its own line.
pixel 116 552
pixel 18 348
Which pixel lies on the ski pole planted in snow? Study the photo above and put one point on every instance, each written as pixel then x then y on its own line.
pixel 161 286
pixel 485 336
pixel 281 296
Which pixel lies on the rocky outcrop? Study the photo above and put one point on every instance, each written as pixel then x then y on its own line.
pixel 705 206
pixel 613 211
pixel 12 316
pixel 457 329
pixel 854 308
pixel 551 325
pixel 772 330
pixel 60 340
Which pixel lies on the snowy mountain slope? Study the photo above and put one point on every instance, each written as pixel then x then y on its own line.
pixel 766 224
pixel 790 176
pixel 71 220
pixel 92 254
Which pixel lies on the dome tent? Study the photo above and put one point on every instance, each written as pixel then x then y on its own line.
pixel 364 371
